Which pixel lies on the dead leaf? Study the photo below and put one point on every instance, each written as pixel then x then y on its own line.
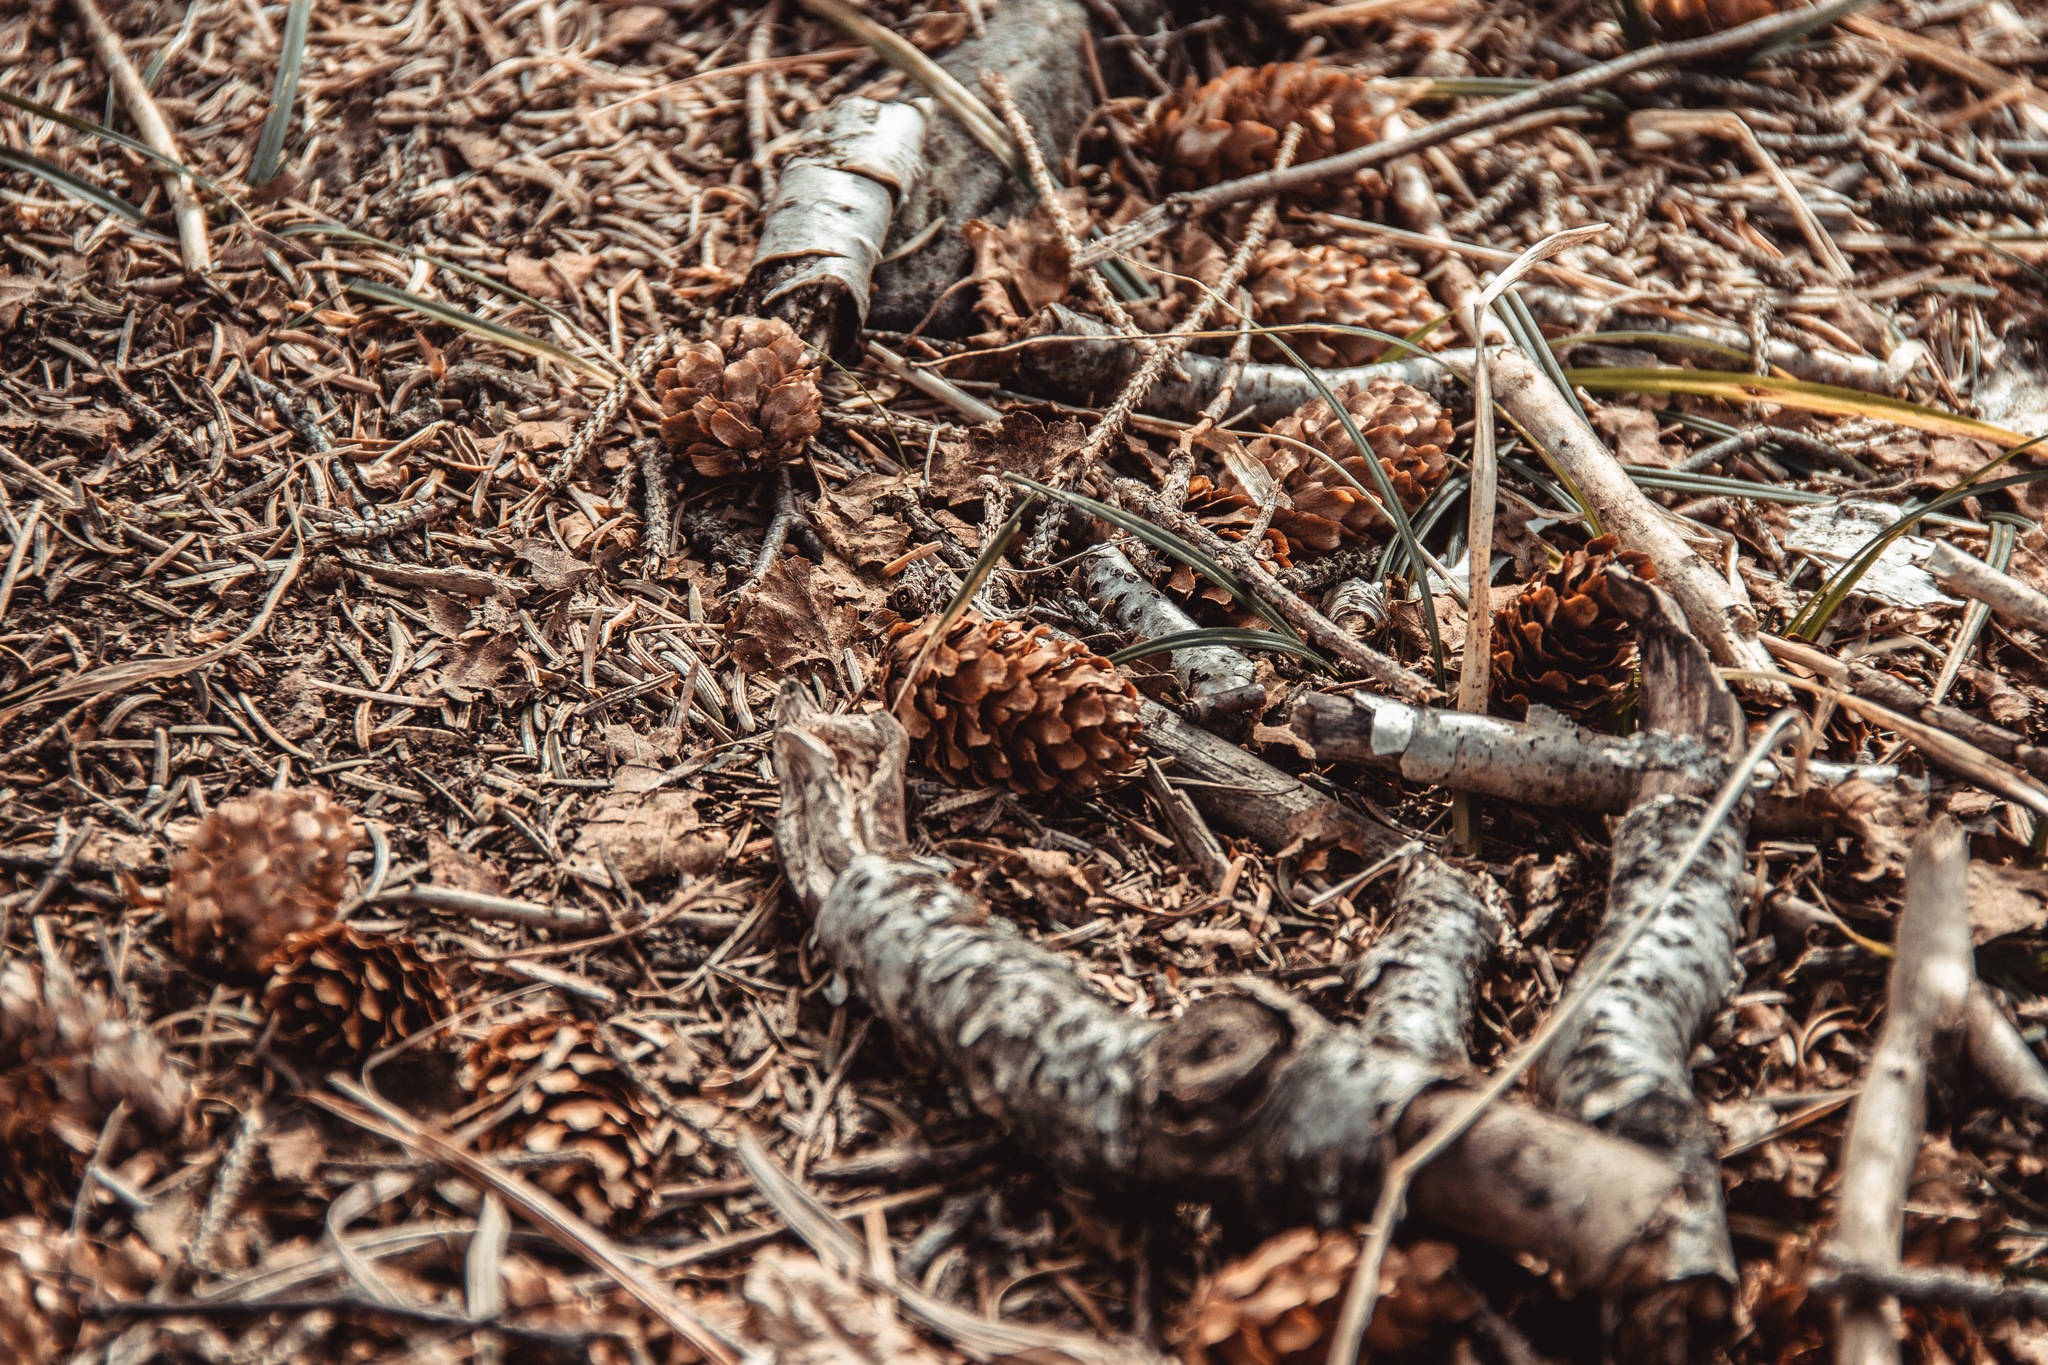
pixel 560 275
pixel 448 865
pixel 447 616
pixel 1022 443
pixel 293 1146
pixel 2006 899
pixel 305 705
pixel 809 1315
pixel 649 834
pixel 553 569
pixel 480 150
pixel 633 25
pixel 939 29
pixel 1633 433
pixel 624 744
pixel 800 613
pixel 856 530
pixel 477 665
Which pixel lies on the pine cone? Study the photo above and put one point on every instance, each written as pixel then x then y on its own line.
pixel 68 1057
pixel 1278 1305
pixel 1292 284
pixel 340 995
pixel 1009 704
pixel 748 399
pixel 1232 126
pixel 1319 510
pixel 259 868
pixel 1690 18
pixel 583 1104
pixel 1561 642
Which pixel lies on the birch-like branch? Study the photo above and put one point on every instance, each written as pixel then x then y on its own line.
pixel 2010 600
pixel 1420 975
pixel 822 236
pixel 1246 1099
pixel 1131 604
pixel 1927 1006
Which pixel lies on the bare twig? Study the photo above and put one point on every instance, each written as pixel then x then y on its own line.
pixel 155 130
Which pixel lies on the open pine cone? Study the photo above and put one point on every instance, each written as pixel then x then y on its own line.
pixel 1318 509
pixel 1292 284
pixel 747 400
pixel 1002 703
pixel 340 995
pixel 1232 126
pixel 573 1098
pixel 259 867
pixel 1279 1304
pixel 1561 642
pixel 1689 18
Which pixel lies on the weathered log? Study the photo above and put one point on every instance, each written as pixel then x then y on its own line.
pixel 1247 1099
pixel 1036 46
pixel 1420 975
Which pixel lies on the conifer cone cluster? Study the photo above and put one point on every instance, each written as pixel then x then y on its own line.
pixel 1279 1305
pixel 1010 705
pixel 1291 284
pixel 339 994
pixel 571 1097
pixel 1319 510
pixel 1560 642
pixel 747 400
pixel 1232 126
pixel 259 867
pixel 1689 18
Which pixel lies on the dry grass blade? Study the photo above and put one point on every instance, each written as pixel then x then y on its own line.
pixel 1801 394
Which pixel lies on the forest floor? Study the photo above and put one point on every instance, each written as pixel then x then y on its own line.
pixel 569 932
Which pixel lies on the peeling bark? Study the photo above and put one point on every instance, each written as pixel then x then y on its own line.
pixel 1420 975
pixel 822 236
pixel 1246 1099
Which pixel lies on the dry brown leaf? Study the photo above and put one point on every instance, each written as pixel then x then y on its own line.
pixel 807 1315
pixel 649 832
pixel 800 612
pixel 480 150
pixel 1022 443
pixel 2006 899
pixel 448 865
pixel 475 666
pixel 558 276
pixel 553 568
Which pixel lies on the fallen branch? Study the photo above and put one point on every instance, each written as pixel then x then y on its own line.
pixel 1131 604
pixel 1419 977
pixel 821 237
pixel 2001 1058
pixel 2010 600
pixel 1926 1007
pixel 1931 1284
pixel 155 129
pixel 1246 1099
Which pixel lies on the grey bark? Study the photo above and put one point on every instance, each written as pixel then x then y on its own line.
pixel 1623 1065
pixel 1036 44
pixel 2012 601
pixel 1420 975
pixel 2001 1058
pixel 822 236
pixel 1131 604
pixel 1246 1099
pixel 1926 1008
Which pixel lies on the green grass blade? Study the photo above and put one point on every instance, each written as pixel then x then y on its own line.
pixel 1167 543
pixel 1226 637
pixel 476 277
pixel 1522 325
pixel 449 315
pixel 1389 500
pixel 1719 486
pixel 283 95
pixel 60 179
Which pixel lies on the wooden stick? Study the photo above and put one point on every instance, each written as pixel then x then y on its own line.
pixel 155 130
pixel 1928 1003
pixel 1968 576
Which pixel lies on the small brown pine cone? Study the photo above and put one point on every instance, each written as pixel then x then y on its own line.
pixel 1689 18
pixel 747 400
pixel 573 1099
pixel 340 995
pixel 1001 703
pixel 1319 510
pixel 259 867
pixel 1292 284
pixel 1560 642
pixel 1232 126
pixel 1279 1304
